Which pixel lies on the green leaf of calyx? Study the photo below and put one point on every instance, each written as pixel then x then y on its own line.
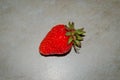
pixel 77 43
pixel 68 33
pixel 76 49
pixel 70 40
pixel 79 38
pixel 81 29
pixel 71 25
pixel 80 32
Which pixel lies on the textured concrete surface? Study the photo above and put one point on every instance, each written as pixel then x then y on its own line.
pixel 24 23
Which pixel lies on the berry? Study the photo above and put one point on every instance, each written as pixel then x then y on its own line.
pixel 60 39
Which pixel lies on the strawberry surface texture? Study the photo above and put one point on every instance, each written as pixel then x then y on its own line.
pixel 60 39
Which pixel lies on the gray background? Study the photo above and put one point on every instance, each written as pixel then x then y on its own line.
pixel 24 23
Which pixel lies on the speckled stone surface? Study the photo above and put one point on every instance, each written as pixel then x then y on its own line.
pixel 24 23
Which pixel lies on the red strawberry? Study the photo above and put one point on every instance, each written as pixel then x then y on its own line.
pixel 60 40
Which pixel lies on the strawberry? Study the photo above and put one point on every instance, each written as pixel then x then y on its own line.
pixel 60 40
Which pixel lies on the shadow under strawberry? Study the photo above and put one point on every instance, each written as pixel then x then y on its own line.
pixel 57 55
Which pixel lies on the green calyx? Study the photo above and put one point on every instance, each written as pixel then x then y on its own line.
pixel 75 36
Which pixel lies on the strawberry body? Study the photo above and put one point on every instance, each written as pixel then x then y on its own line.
pixel 60 39
pixel 55 42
